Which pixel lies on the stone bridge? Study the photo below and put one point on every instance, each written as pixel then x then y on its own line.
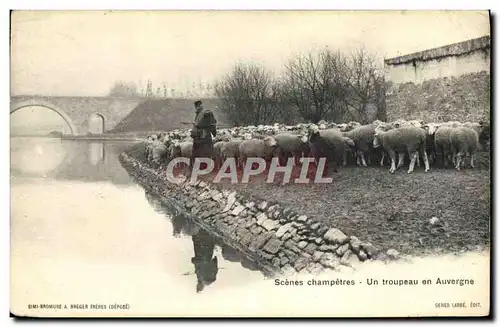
pixel 78 111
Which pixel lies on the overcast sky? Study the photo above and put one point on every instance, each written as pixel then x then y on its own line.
pixel 82 53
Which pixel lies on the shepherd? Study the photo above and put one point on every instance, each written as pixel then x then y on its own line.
pixel 204 128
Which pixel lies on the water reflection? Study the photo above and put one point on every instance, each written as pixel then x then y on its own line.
pixel 31 157
pixel 68 160
pixel 205 260
pixel 96 153
pixel 205 263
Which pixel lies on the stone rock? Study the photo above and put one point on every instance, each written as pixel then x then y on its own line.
pixel 282 230
pixel 284 261
pixel 292 256
pixel 250 205
pixel 262 206
pixel 345 258
pixel 270 224
pixel 355 244
pixel 231 199
pixel 335 236
pixel 310 248
pixel 392 254
pixel 302 244
pixel 317 255
pixel 296 238
pixel 286 237
pixel 302 218
pixel 301 263
pixel 203 195
pixel 362 255
pixel 265 255
pixel 330 260
pixel 292 230
pixel 250 223
pixel 246 238
pixel 261 218
pixel 370 249
pixel 292 246
pixel 271 209
pixel 258 241
pixel 297 224
pixel 238 210
pixel 314 226
pixel 319 240
pixel 217 196
pixel 329 247
pixel 256 229
pixel 276 262
pixel 273 245
pixel 342 250
pixel 281 254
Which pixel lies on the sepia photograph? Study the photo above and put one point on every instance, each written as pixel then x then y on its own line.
pixel 250 163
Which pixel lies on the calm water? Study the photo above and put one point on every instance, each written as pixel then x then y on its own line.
pixel 83 233
pixel 75 209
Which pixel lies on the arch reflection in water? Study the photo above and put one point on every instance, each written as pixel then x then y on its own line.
pixel 206 263
pixel 97 153
pixel 37 156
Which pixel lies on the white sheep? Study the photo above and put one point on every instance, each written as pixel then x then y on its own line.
pixel 408 139
pixel 464 142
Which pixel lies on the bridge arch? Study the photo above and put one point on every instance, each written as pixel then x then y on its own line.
pixel 101 122
pixel 38 103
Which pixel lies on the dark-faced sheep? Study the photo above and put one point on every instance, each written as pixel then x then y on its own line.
pixel 363 140
pixel 464 142
pixel 329 144
pixel 430 129
pixel 408 139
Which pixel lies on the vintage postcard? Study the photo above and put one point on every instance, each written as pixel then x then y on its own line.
pixel 250 163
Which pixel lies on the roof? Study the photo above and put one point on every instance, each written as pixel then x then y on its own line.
pixel 455 49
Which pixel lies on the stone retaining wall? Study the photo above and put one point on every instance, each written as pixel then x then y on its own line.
pixel 463 98
pixel 276 239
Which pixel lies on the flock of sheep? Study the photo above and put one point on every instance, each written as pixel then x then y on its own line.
pixel 342 144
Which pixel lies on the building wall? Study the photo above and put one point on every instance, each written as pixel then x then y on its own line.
pixel 450 87
pixel 476 61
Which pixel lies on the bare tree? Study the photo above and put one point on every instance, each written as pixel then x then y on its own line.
pixel 247 96
pixel 366 83
pixel 316 84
